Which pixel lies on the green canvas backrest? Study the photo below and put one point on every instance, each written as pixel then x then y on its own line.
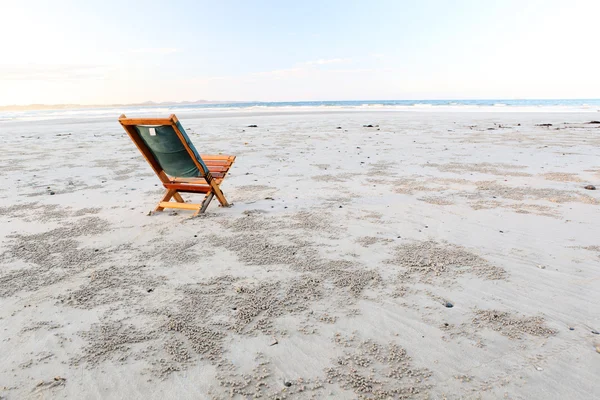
pixel 169 151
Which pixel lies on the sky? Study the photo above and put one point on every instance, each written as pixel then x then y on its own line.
pixel 106 52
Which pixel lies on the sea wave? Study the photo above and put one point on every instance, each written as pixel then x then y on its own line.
pixel 423 105
pixel 587 105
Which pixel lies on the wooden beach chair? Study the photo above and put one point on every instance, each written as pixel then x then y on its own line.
pixel 177 163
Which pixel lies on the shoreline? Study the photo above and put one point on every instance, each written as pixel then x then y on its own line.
pixel 585 116
pixel 210 109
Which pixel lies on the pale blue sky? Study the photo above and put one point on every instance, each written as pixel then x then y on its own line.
pixel 108 51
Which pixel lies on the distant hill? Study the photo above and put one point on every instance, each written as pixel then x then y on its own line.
pixel 32 107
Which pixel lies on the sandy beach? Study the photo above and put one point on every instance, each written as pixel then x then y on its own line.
pixel 430 255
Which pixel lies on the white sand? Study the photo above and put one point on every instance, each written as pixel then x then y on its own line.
pixel 336 288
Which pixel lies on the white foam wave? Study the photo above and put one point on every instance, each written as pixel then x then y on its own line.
pixel 113 112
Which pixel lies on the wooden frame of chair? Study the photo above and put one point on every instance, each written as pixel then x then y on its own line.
pixel 209 182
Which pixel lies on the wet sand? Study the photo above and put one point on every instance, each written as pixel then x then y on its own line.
pixel 432 255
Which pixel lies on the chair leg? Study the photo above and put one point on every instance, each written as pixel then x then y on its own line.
pixel 220 196
pixel 178 198
pixel 170 193
pixel 207 199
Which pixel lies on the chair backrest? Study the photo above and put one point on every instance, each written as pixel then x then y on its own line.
pixel 168 144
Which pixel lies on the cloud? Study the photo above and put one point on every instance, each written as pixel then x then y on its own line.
pixel 328 61
pixel 156 50
pixel 298 69
pixel 363 70
pixel 278 73
pixel 53 72
pixel 304 69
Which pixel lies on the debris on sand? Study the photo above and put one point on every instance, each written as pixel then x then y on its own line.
pixel 263 382
pixel 50 256
pixel 514 327
pixel 109 339
pixel 499 169
pixel 355 280
pixel 56 382
pixel 377 371
pixel 487 189
pixel 426 261
pixel 110 285
pixel 203 339
pixel 561 177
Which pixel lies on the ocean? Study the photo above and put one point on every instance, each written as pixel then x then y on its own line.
pixel 492 105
